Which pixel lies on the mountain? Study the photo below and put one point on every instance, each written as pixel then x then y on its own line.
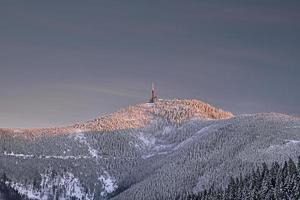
pixel 155 150
pixel 137 116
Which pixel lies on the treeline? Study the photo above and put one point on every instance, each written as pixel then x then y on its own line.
pixel 7 192
pixel 278 182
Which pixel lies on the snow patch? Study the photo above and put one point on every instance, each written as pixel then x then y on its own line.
pixel 25 156
pixel 161 149
pixel 191 139
pixel 109 183
pixel 292 142
pixel 148 141
pixel 82 139
pixel 167 130
pixel 292 127
pixel 78 130
pixel 18 131
pixel 148 104
pixel 18 155
pixel 154 154
pixel 65 157
pixel 288 144
pixel 25 190
pixel 52 187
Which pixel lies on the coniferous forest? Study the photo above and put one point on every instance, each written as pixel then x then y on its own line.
pixel 278 182
pixel 7 192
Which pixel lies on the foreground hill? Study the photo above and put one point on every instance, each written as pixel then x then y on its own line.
pixel 147 151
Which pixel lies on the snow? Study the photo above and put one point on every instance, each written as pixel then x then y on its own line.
pixel 68 182
pixel 292 142
pixel 82 139
pixel 191 139
pixel 109 183
pixel 148 104
pixel 148 155
pixel 180 149
pixel 17 131
pixel 78 130
pixel 73 186
pixel 292 127
pixel 287 144
pixel 154 154
pixel 201 182
pixel 147 140
pixel 27 191
pixel 18 155
pixel 160 147
pixel 167 130
pixel 65 157
pixel 151 144
pixel 25 156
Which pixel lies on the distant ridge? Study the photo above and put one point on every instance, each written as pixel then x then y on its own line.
pixel 137 116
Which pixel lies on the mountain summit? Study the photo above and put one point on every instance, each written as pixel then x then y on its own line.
pixel 176 111
pixel 137 116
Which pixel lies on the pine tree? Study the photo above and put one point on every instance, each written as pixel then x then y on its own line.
pixel 231 189
pixel 292 168
pixel 266 185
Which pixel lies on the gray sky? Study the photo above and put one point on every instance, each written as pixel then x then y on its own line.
pixel 68 61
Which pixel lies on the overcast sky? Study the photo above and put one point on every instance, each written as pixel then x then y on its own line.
pixel 67 61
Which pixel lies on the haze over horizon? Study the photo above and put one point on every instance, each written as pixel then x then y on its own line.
pixel 68 61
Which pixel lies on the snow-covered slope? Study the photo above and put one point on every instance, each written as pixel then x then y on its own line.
pixel 137 116
pixel 147 151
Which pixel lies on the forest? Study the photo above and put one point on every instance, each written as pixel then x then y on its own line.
pixel 278 182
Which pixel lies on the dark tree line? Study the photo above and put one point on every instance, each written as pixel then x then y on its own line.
pixel 7 192
pixel 278 182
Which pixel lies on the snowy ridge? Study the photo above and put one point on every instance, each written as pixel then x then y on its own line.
pixel 132 117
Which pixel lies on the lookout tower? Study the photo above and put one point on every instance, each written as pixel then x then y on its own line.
pixel 153 96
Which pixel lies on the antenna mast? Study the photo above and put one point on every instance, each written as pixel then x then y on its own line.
pixel 153 97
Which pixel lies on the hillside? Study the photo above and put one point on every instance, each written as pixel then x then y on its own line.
pixel 137 116
pixel 147 151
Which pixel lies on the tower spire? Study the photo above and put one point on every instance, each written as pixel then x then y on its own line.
pixel 153 97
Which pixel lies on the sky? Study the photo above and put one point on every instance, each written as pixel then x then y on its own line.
pixel 67 61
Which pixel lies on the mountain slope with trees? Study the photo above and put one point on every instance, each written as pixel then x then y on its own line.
pixel 186 147
pixel 278 182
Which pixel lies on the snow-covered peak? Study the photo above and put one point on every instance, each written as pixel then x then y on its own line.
pixel 137 116
pixel 176 111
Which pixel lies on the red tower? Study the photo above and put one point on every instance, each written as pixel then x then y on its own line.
pixel 153 97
